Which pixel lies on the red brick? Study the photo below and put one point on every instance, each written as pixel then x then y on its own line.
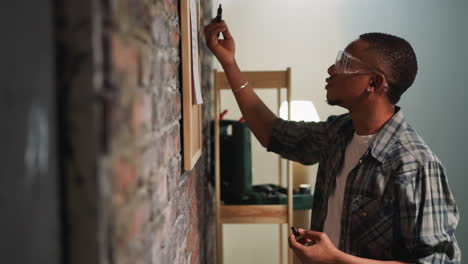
pixel 161 213
pixel 138 113
pixel 125 56
pixel 167 107
pixel 125 176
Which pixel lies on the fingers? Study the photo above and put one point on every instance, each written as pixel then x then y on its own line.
pixel 313 235
pixel 227 35
pixel 301 231
pixel 294 245
pixel 212 34
pixel 213 25
pixel 212 30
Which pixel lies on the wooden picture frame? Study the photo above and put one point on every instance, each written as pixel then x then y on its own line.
pixel 192 121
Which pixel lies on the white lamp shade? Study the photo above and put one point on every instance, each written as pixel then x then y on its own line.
pixel 301 110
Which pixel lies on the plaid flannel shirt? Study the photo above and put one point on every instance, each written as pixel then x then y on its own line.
pixel 397 205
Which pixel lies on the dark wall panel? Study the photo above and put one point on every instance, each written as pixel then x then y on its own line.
pixel 29 204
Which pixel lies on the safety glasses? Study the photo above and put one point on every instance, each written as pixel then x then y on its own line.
pixel 347 64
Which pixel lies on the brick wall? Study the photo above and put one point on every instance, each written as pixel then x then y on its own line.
pixel 129 199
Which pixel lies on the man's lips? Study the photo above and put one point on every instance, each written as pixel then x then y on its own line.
pixel 327 80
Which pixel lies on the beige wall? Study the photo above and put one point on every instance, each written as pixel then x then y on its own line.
pixel 306 35
pixel 273 35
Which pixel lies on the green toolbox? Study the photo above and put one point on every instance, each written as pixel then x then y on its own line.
pixel 236 172
pixel 236 160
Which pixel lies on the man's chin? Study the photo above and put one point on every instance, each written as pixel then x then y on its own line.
pixel 333 102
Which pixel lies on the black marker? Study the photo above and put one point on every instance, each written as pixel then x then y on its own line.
pixel 219 15
pixel 298 236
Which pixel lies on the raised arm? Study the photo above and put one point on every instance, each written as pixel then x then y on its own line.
pixel 258 116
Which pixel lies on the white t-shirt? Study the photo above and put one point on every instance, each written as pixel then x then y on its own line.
pixel 354 151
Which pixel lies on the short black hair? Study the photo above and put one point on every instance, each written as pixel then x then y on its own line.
pixel 400 58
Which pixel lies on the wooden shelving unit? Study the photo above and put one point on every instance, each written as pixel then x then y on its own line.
pixel 261 214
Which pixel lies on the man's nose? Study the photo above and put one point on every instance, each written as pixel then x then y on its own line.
pixel 331 69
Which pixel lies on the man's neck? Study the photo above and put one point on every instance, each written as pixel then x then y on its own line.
pixel 368 120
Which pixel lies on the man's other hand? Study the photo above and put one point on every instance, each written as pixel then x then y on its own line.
pixel 322 250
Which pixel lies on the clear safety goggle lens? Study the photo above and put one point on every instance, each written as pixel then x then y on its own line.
pixel 346 63
pixel 341 62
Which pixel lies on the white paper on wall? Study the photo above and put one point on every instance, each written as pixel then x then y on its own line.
pixel 195 59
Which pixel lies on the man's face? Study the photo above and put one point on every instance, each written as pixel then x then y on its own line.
pixel 347 90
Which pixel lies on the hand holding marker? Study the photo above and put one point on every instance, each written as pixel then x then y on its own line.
pixel 219 15
pixel 300 238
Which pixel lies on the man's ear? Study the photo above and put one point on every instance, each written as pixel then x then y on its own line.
pixel 377 82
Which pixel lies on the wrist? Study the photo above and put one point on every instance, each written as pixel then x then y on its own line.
pixel 341 257
pixel 229 64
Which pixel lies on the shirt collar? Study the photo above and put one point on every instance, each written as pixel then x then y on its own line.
pixel 385 138
pixel 388 135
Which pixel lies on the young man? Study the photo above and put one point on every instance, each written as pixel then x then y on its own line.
pixel 381 195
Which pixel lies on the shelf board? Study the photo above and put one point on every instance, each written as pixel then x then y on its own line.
pixel 254 214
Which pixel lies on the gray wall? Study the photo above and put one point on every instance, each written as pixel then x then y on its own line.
pixel 436 104
pixel 29 206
